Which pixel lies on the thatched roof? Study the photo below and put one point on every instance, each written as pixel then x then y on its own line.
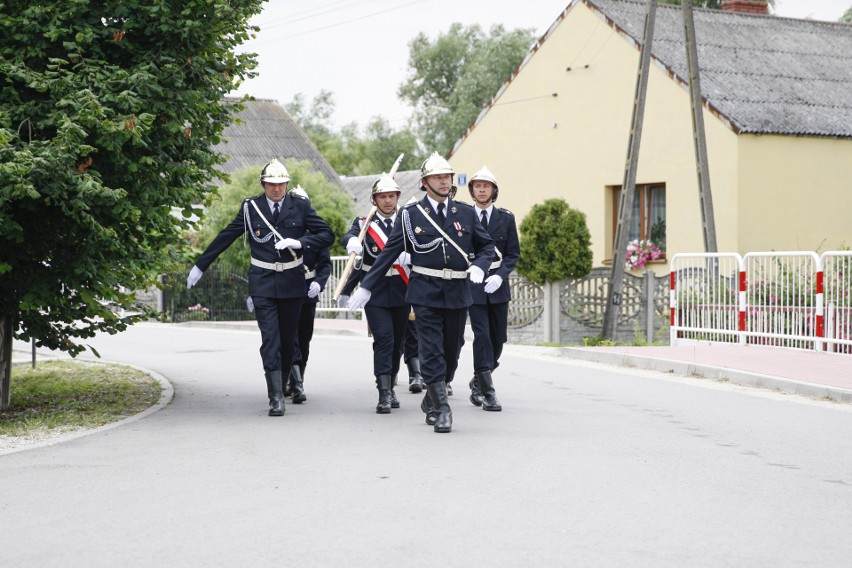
pixel 265 131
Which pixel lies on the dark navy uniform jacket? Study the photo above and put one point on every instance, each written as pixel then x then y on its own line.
pixel 388 292
pixel 414 233
pixel 320 263
pixel 502 229
pixel 296 217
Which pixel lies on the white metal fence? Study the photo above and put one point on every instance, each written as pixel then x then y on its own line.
pixel 787 299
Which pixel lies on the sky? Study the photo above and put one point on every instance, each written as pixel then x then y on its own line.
pixel 358 49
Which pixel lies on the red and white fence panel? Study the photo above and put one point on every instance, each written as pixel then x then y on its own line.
pixel 786 299
pixel 835 290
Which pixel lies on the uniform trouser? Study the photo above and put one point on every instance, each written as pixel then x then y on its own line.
pixel 409 347
pixel 489 323
pixel 278 320
pixel 306 332
pixel 440 334
pixel 388 328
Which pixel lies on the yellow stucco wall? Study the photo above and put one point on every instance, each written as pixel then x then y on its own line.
pixel 795 193
pixel 574 146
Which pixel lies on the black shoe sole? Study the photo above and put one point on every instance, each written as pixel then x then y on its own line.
pixel 383 411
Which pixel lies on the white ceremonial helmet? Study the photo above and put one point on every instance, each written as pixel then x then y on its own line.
pixel 484 174
pixel 274 172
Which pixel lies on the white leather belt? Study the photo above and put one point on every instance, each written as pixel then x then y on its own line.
pixel 310 274
pixel 391 271
pixel 445 273
pixel 278 266
pixel 495 264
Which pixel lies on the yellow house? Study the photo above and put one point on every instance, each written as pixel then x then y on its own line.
pixel 777 96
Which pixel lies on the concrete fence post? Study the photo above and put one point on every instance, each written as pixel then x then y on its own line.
pixel 650 284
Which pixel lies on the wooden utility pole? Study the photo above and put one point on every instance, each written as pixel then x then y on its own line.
pixel 708 218
pixel 628 187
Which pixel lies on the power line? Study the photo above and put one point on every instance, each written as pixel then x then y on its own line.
pixel 315 12
pixel 338 24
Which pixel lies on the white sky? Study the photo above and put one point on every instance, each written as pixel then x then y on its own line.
pixel 358 49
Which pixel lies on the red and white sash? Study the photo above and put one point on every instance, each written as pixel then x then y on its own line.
pixel 376 231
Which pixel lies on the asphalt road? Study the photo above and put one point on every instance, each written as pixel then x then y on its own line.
pixel 587 465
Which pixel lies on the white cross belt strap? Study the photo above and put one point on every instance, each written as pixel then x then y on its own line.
pixel 446 273
pixel 310 274
pixel 278 266
pixel 443 234
pixel 274 232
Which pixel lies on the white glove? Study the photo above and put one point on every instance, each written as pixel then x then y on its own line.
pixel 288 243
pixel 359 299
pixel 476 274
pixel 250 304
pixel 194 277
pixel 493 283
pixel 404 258
pixel 342 301
pixel 313 290
pixel 353 246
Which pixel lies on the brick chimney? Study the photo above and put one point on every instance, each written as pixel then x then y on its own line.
pixel 746 6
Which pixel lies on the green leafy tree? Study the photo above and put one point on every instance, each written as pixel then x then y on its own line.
pixel 847 16
pixel 108 115
pixel 351 151
pixel 555 243
pixel 329 201
pixel 452 78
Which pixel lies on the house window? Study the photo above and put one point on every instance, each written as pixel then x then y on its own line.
pixel 648 220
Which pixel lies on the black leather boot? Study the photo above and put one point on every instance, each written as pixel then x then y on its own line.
pixel 269 387
pixel 276 402
pixel 475 391
pixel 383 383
pixel 438 394
pixel 489 397
pixel 288 385
pixel 297 385
pixel 415 379
pixel 429 409
pixel 394 400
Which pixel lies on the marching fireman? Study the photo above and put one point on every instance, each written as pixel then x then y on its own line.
pixel 282 228
pixel 449 250
pixel 317 271
pixel 489 312
pixel 387 310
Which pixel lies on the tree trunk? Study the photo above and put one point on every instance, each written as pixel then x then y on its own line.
pixel 5 360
